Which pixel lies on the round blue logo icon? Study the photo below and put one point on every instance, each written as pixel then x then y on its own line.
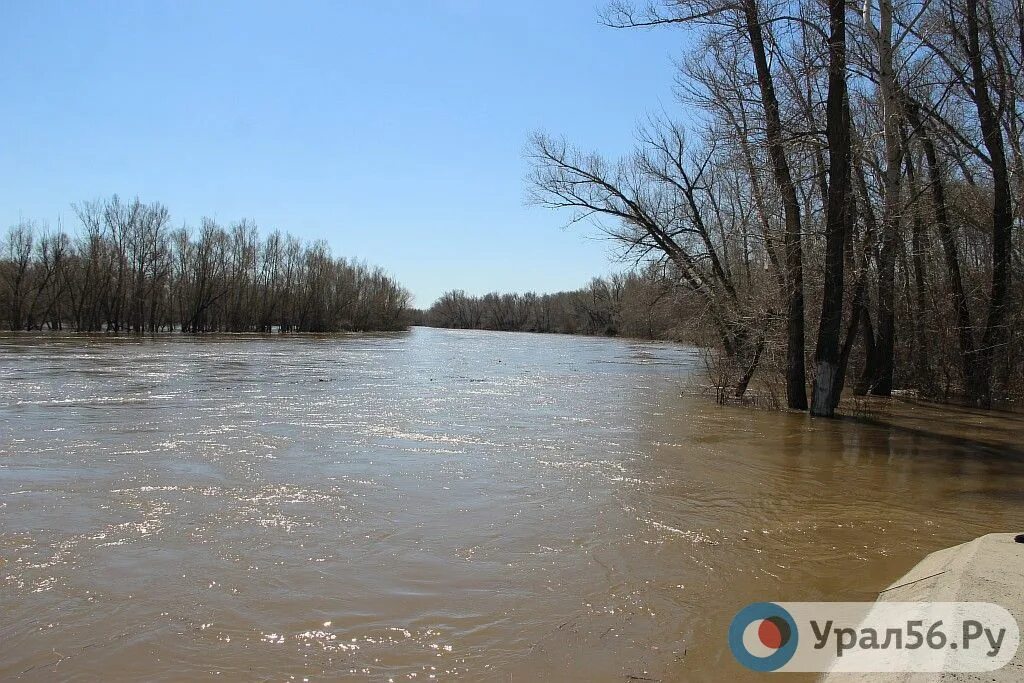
pixel 763 636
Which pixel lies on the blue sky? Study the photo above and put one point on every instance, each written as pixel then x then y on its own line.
pixel 394 130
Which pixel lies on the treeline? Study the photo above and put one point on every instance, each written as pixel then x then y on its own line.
pixel 854 187
pixel 127 270
pixel 629 304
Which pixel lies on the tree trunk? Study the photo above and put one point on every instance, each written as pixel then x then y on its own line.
pixel 922 364
pixel 996 331
pixel 796 380
pixel 882 384
pixel 837 129
pixel 964 324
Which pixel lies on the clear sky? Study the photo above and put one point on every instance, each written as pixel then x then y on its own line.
pixel 394 130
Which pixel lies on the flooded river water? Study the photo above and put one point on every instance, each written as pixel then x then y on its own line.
pixel 439 504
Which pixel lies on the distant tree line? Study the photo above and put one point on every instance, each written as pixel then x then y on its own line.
pixel 629 304
pixel 854 183
pixel 127 270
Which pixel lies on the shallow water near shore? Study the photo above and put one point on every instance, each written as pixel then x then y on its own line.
pixel 442 504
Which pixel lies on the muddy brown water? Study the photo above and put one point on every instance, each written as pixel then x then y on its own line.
pixel 441 504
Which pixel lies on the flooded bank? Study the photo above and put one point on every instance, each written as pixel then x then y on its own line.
pixel 441 504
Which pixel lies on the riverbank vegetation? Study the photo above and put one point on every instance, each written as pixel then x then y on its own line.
pixel 127 270
pixel 841 207
pixel 631 304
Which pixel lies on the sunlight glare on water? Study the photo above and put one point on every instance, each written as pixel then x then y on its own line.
pixel 433 504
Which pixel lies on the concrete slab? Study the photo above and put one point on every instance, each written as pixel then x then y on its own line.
pixel 988 569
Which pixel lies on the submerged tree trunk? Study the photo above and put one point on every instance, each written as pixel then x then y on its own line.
pixel 882 36
pixel 796 379
pixel 827 384
pixel 996 331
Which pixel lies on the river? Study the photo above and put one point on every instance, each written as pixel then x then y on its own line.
pixel 440 504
